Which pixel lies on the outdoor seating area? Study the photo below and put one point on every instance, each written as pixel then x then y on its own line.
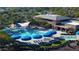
pixel 24 34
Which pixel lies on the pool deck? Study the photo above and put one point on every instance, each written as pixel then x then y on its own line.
pixel 36 41
pixel 58 34
pixel 44 39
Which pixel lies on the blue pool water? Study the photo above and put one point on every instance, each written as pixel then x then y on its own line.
pixel 69 37
pixel 29 33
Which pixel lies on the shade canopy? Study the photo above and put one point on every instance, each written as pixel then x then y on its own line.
pixel 25 24
pixel 37 36
pixel 26 38
pixel 77 33
pixel 18 25
pixel 49 33
pixel 15 36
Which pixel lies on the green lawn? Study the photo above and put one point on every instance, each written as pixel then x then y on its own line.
pixel 58 43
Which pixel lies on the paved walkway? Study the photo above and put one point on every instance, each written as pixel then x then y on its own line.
pixel 58 34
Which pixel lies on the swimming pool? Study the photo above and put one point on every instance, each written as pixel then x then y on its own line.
pixel 29 33
pixel 70 37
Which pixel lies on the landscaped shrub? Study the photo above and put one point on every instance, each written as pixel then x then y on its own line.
pixel 4 37
pixel 47 25
pixel 78 43
pixel 57 42
pixel 40 23
pixel 45 44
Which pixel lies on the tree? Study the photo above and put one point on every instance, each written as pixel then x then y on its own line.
pixel 77 14
pixel 4 38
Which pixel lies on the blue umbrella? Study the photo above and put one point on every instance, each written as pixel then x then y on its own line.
pixel 77 33
pixel 26 38
pixel 49 33
pixel 36 36
pixel 15 36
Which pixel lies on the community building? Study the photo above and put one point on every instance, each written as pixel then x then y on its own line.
pixel 59 22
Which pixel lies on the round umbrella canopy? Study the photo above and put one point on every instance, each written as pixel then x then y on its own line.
pixel 26 38
pixel 49 33
pixel 77 33
pixel 15 36
pixel 37 36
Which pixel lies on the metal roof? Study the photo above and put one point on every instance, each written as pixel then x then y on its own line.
pixel 72 23
pixel 52 17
